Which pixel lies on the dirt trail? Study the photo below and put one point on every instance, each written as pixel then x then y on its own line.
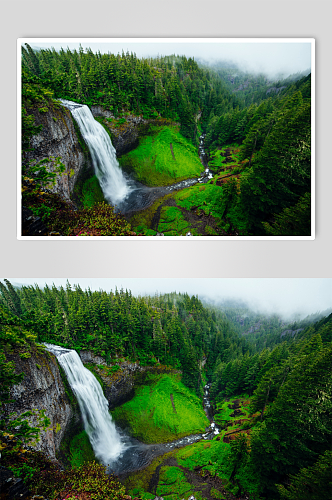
pixel 171 146
pixel 172 401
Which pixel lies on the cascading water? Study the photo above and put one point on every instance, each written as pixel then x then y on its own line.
pixel 112 181
pixel 121 452
pixel 104 438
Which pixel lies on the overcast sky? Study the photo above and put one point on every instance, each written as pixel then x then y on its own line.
pixel 271 295
pixel 287 56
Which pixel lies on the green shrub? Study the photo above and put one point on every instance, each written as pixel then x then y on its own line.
pixel 92 192
pixel 81 450
pixel 89 480
pixel 42 211
pixel 99 220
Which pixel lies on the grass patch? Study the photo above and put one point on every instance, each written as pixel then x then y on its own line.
pixel 208 454
pixel 80 450
pixel 211 231
pixel 206 197
pixel 212 456
pixel 173 484
pixel 141 221
pixel 223 412
pixel 216 159
pixel 91 192
pixel 216 494
pixel 150 415
pixel 163 158
pixel 172 222
pixel 137 483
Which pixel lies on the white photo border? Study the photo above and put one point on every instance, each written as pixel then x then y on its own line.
pixel 30 40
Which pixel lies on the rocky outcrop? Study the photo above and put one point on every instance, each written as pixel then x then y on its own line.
pixel 60 137
pixel 126 136
pixel 120 380
pixel 42 388
pixel 291 332
pixel 32 225
pixel 118 386
pixel 11 488
pixel 90 357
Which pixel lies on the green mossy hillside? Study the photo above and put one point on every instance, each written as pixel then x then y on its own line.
pixel 163 158
pixel 81 450
pixel 173 484
pixel 205 197
pixel 216 159
pixel 224 410
pixel 162 411
pixel 172 222
pixel 92 193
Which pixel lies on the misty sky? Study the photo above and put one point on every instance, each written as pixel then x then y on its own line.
pixel 284 296
pixel 271 58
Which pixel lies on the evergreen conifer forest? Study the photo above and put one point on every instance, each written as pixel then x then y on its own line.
pixel 251 134
pixel 268 382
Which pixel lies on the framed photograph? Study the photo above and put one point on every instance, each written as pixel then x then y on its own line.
pixel 147 138
pixel 116 385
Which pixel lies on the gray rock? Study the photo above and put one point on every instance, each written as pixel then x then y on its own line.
pixel 58 138
pixel 119 387
pixel 42 389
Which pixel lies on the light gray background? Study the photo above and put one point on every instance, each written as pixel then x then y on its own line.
pixel 162 258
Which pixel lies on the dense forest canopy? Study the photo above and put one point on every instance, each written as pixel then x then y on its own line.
pixel 265 125
pixel 288 379
pixel 172 86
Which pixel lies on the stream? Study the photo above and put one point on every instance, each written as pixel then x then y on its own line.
pixel 206 175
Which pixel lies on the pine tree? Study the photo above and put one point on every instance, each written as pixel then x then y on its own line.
pixel 297 427
pixel 311 483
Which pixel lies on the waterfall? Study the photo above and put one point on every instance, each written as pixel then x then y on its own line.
pixel 98 424
pixel 111 179
pixel 126 194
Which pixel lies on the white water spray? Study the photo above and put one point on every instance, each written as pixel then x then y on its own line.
pixel 111 179
pixel 98 424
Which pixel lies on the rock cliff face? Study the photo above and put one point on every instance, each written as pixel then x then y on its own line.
pixel 42 388
pixel 119 386
pixel 126 137
pixel 59 138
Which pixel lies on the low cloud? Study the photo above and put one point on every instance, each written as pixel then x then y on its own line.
pixel 270 58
